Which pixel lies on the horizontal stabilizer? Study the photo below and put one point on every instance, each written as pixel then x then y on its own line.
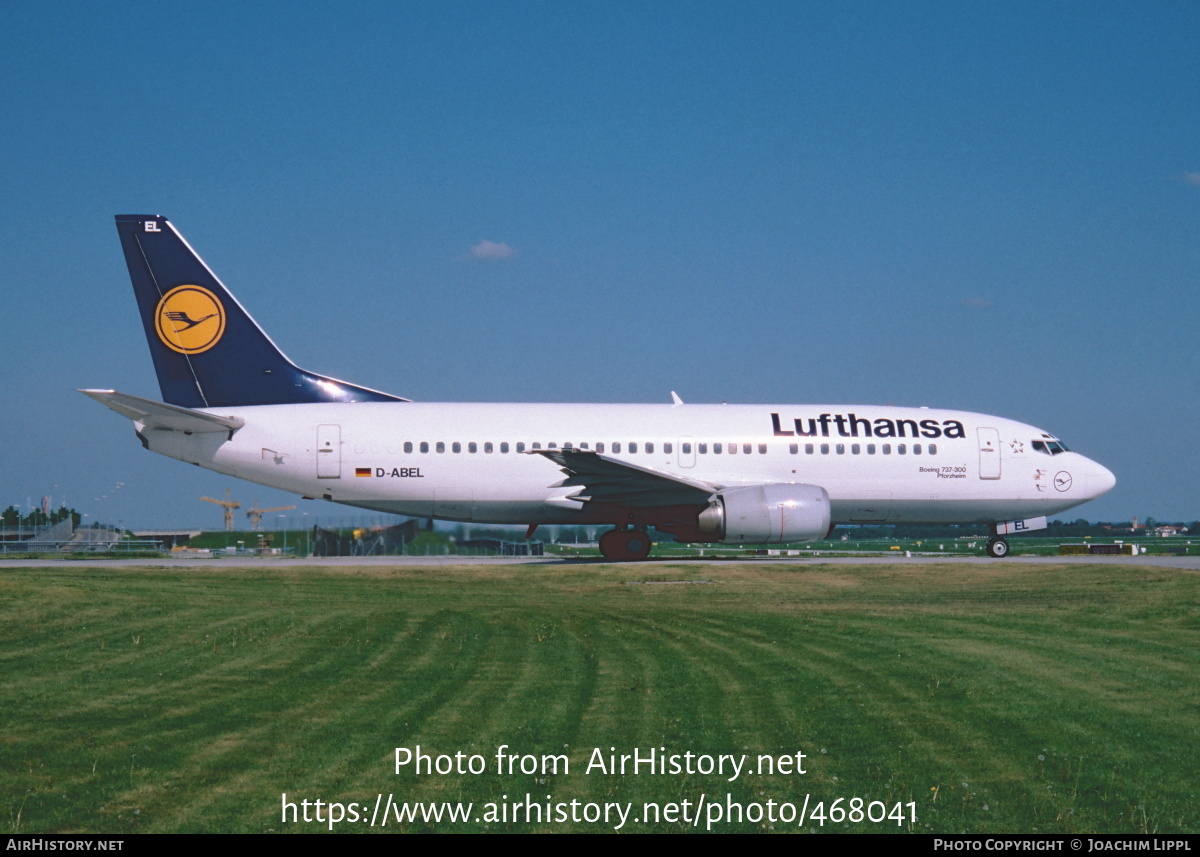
pixel 158 415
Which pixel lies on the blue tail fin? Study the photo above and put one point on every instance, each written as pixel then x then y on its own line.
pixel 207 350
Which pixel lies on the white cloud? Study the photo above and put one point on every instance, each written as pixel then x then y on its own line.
pixel 492 251
pixel 1191 178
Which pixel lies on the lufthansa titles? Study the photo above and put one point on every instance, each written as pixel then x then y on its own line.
pixel 850 425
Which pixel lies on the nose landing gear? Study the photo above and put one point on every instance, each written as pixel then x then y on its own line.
pixel 997 548
pixel 623 545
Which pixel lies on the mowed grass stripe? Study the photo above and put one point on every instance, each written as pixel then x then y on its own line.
pixel 744 669
pixel 622 708
pixel 552 682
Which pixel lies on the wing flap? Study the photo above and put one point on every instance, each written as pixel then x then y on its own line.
pixel 159 415
pixel 601 479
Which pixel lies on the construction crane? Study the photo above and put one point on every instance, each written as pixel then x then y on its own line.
pixel 229 505
pixel 255 514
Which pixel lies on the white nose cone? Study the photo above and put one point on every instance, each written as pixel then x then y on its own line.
pixel 1100 479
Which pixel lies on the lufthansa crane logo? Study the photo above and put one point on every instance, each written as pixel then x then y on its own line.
pixel 1062 480
pixel 189 319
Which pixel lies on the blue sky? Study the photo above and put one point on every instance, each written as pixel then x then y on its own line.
pixel 992 207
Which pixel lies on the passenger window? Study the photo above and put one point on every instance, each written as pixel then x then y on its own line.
pixel 650 447
pixel 537 446
pixel 733 449
pixel 456 446
pixel 474 447
pixel 793 448
pixel 583 446
pixel 424 446
pixel 520 446
pixel 901 448
pixel 716 449
pixel 408 446
pixel 746 448
pixel 933 449
pixel 600 446
pixel 441 446
pixel 667 448
pixel 616 447
pixel 687 449
pixel 870 449
pixel 552 446
pixel 824 449
pixel 703 448
pixel 916 449
pixel 841 449
pixel 567 446
pixel 855 448
pixel 762 449
pixel 808 449
pixel 887 449
pixel 633 448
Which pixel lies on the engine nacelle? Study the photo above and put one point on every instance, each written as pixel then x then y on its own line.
pixel 778 513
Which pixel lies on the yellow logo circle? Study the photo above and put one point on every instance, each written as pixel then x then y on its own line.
pixel 189 319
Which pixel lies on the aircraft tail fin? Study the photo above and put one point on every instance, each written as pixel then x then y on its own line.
pixel 207 350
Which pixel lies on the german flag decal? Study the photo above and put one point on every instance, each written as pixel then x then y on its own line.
pixel 362 471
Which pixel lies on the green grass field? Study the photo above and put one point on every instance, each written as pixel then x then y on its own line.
pixel 992 698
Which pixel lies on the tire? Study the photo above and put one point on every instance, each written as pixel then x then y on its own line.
pixel 997 548
pixel 625 545
pixel 610 545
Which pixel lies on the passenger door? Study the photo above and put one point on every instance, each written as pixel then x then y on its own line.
pixel 989 453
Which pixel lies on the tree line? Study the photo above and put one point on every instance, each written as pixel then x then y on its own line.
pixel 12 517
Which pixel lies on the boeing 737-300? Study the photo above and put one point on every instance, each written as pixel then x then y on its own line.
pixel 728 474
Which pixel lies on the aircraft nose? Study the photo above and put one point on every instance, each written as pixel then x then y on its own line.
pixel 1100 479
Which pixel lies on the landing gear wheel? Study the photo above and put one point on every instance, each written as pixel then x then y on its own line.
pixel 625 545
pixel 610 544
pixel 637 544
pixel 997 548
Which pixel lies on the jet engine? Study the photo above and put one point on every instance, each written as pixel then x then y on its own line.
pixel 777 513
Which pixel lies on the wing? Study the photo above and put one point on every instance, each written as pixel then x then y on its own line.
pixel 605 480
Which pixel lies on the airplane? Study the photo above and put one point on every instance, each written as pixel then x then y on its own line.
pixel 724 474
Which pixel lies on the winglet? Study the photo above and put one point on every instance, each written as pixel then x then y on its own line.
pixel 675 400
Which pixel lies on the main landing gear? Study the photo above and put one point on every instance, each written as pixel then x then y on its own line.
pixel 622 545
pixel 997 547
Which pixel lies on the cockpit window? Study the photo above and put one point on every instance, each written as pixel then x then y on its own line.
pixel 1049 447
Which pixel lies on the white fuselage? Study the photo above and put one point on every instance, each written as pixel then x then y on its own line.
pixel 876 463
